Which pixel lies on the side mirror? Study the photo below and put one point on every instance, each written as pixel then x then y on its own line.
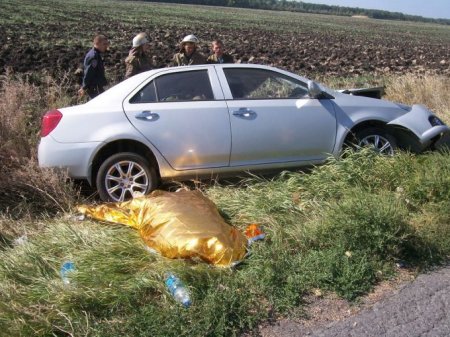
pixel 314 90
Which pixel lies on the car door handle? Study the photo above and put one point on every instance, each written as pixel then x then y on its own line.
pixel 245 113
pixel 147 116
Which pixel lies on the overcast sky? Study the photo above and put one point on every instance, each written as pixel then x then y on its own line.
pixel 428 8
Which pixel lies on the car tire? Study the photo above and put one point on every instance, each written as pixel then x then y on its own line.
pixel 381 140
pixel 124 176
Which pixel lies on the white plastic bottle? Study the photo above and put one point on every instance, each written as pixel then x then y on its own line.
pixel 177 289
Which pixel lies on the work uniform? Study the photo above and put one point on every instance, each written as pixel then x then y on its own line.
pixel 136 62
pixel 180 59
pixel 225 58
pixel 94 79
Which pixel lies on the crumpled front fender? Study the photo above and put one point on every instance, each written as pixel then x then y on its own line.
pixel 417 121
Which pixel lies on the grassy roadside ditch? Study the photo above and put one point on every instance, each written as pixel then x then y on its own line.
pixel 341 228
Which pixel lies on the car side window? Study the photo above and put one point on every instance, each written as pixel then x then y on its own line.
pixel 263 84
pixel 145 95
pixel 184 86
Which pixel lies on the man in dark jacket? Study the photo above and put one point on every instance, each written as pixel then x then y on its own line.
pixel 219 55
pixel 94 79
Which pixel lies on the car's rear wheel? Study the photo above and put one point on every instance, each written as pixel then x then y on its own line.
pixel 124 176
pixel 378 139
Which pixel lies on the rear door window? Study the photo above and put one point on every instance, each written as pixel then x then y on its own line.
pixel 177 87
pixel 146 94
pixel 184 86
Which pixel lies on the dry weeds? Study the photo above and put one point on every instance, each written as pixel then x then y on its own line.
pixel 26 189
pixel 431 91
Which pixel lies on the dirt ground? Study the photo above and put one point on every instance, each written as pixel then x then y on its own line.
pixel 407 307
pixel 320 309
pixel 308 53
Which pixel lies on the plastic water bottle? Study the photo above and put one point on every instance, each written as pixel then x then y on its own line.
pixel 66 268
pixel 178 290
pixel 21 240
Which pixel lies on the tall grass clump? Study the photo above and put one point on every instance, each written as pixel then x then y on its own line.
pixel 353 242
pixel 26 189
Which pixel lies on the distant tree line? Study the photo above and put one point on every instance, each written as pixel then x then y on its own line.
pixel 300 6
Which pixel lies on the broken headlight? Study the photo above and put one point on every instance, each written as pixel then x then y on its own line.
pixel 435 121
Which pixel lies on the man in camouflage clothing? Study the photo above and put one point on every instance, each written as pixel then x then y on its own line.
pixel 138 60
pixel 188 54
pixel 219 55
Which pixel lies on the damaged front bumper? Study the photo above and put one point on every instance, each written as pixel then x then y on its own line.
pixel 426 127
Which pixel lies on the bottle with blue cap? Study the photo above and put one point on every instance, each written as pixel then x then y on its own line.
pixel 177 289
pixel 67 268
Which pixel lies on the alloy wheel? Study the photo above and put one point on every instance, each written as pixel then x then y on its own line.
pixel 379 143
pixel 126 179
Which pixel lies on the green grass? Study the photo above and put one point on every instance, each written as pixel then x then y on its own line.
pixel 339 228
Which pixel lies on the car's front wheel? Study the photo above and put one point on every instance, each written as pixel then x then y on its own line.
pixel 377 138
pixel 124 176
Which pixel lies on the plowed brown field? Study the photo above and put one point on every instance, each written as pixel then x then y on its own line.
pixel 54 36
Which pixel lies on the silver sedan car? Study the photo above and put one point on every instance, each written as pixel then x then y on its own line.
pixel 207 120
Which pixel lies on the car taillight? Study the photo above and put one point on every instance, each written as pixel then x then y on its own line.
pixel 50 121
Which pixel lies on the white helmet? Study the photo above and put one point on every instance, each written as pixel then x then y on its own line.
pixel 140 40
pixel 190 38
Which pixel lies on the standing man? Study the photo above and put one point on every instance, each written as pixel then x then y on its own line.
pixel 219 55
pixel 138 60
pixel 94 79
pixel 188 53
